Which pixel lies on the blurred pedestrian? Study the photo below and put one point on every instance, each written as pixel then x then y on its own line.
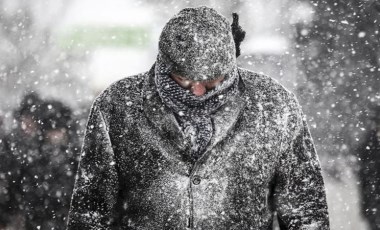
pixel 369 172
pixel 198 143
pixel 48 177
pixel 43 168
pixel 23 141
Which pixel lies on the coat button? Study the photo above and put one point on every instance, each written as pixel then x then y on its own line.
pixel 196 180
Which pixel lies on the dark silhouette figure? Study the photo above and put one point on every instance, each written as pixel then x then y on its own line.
pixel 39 170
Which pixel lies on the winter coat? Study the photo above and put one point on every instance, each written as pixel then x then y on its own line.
pixel 133 172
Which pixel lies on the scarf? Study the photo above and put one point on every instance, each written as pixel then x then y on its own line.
pixel 193 112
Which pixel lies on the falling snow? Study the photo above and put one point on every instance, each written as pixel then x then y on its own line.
pixel 133 160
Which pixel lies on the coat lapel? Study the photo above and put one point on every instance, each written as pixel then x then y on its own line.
pixel 225 119
pixel 160 116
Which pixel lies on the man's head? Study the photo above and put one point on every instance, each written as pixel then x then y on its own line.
pixel 27 113
pixel 56 119
pixel 199 44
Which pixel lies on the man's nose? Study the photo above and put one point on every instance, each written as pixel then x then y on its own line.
pixel 198 89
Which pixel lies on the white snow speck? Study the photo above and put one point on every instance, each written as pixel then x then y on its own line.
pixel 361 34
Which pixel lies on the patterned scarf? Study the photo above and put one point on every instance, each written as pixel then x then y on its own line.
pixel 193 112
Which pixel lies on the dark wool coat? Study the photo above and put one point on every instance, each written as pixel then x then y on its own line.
pixel 134 174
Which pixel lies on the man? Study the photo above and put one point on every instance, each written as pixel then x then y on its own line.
pixel 22 142
pixel 197 143
pixel 48 176
pixel 39 166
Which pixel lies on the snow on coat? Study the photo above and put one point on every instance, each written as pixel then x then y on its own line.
pixel 261 159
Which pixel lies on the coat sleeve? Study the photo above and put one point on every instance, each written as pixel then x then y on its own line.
pixel 300 198
pixel 96 186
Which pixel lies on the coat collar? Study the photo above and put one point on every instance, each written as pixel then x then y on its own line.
pixel 167 126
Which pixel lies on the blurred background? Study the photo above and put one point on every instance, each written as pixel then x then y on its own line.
pixel 56 56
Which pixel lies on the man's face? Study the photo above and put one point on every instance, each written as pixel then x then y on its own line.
pixel 198 88
pixel 28 125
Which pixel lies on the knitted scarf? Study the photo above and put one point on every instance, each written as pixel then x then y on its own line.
pixel 193 112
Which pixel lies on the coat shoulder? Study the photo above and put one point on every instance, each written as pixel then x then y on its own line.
pixel 262 88
pixel 122 96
